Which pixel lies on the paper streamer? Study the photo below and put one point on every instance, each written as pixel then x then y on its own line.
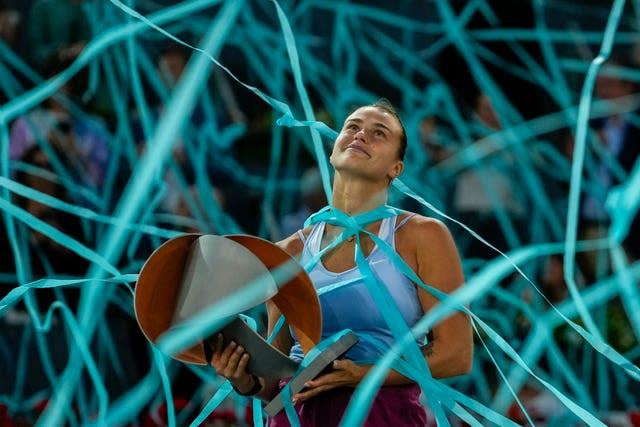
pixel 309 63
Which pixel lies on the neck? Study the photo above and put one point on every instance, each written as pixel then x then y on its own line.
pixel 354 196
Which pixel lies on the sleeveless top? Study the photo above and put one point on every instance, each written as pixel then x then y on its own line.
pixel 346 302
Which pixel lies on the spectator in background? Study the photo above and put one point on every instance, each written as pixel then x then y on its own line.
pixel 185 210
pixel 170 66
pixel 541 406
pixel 438 142
pixel 480 189
pixel 10 19
pixel 79 140
pixel 552 280
pixel 171 63
pixel 62 29
pixel 485 119
pixel 312 199
pixel 10 23
pixel 48 256
pixel 431 137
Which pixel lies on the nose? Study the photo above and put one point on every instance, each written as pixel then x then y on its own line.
pixel 361 135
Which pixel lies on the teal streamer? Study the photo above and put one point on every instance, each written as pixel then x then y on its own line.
pixel 623 202
pixel 628 292
pixel 391 313
pixel 159 359
pixel 57 236
pixel 292 415
pixel 323 215
pixel 213 318
pixel 17 293
pixel 97 45
pixel 276 329
pixel 270 186
pixel 397 61
pixel 131 200
pixel 130 404
pixel 578 157
pixel 505 380
pixel 222 393
pixel 83 348
pixel 21 368
pixel 257 413
pixel 81 212
pixel 442 309
pixel 304 97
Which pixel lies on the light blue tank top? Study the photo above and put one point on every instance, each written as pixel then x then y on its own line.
pixel 346 302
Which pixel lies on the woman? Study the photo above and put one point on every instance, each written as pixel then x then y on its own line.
pixel 367 155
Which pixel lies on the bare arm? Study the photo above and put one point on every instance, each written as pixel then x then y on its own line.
pixel 438 265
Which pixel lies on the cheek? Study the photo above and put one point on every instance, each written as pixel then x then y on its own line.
pixel 333 152
pixel 338 143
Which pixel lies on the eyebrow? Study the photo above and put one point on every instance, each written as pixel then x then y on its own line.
pixel 378 124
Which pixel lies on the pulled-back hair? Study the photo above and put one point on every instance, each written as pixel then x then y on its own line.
pixel 385 105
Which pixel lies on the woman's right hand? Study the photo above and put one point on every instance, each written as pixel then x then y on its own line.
pixel 231 362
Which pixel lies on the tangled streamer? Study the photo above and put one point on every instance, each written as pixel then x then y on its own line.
pixel 499 111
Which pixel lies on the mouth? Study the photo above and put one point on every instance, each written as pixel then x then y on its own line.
pixel 356 147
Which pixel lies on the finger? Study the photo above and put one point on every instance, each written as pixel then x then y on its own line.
pixel 241 368
pixel 343 365
pixel 235 356
pixel 308 394
pixel 234 359
pixel 219 344
pixel 217 352
pixel 226 354
pixel 330 378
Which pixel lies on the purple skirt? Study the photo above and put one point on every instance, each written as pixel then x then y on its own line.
pixel 393 406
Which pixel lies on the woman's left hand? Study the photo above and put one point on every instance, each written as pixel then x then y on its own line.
pixel 345 373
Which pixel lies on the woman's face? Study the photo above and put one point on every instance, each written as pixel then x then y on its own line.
pixel 368 144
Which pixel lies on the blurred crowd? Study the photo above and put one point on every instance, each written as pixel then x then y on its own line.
pixel 70 147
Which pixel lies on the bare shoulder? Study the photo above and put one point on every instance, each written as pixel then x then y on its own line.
pixel 428 244
pixel 423 240
pixel 421 229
